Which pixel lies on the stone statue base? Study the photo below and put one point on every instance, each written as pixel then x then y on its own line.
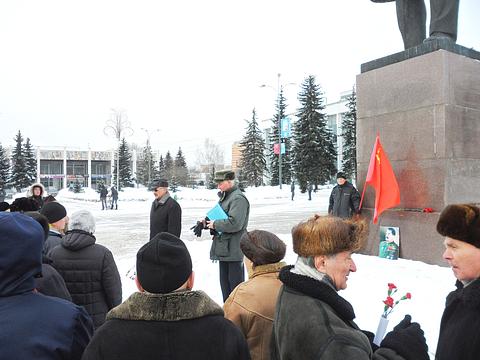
pixel 425 104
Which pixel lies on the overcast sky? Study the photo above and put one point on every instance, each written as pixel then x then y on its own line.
pixel 191 68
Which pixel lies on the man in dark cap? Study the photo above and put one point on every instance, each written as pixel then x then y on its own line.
pixel 344 198
pixel 57 220
pixel 226 241
pixel 459 337
pixel 165 319
pixel 166 213
pixel 34 326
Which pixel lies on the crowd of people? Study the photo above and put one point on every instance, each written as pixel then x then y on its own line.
pixel 61 293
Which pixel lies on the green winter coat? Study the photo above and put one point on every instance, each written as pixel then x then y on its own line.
pixel 226 244
pixel 313 322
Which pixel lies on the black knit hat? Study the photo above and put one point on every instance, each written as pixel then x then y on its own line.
pixel 262 247
pixel 461 222
pixel 53 211
pixel 163 264
pixel 341 175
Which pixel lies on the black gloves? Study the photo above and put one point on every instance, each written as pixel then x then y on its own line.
pixel 407 340
pixel 197 229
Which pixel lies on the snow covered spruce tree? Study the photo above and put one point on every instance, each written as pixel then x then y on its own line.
pixel 124 160
pixel 168 162
pixel 30 161
pixel 280 113
pixel 18 176
pixel 146 167
pixel 4 169
pixel 349 135
pixel 211 179
pixel 162 174
pixel 180 168
pixel 314 148
pixel 253 162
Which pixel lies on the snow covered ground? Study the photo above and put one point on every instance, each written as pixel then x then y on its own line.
pixel 124 230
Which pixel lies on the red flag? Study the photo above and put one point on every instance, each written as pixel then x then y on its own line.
pixel 381 177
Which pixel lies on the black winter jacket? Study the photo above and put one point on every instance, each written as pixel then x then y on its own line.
pixel 344 201
pixel 459 337
pixel 179 325
pixel 51 283
pixel 165 216
pixel 90 273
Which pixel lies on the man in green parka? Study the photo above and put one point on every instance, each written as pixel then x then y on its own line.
pixel 226 241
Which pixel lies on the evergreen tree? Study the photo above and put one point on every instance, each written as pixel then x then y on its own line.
pixel 314 146
pixel 349 135
pixel 241 180
pixel 162 171
pixel 174 184
pixel 146 167
pixel 180 168
pixel 4 169
pixel 30 161
pixel 253 162
pixel 211 179
pixel 124 160
pixel 168 161
pixel 280 113
pixel 18 178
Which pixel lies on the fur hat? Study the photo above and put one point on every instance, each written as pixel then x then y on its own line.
pixel 163 183
pixel 224 175
pixel 22 204
pixel 328 235
pixel 82 220
pixel 461 222
pixel 262 247
pixel 341 175
pixel 53 211
pixel 163 264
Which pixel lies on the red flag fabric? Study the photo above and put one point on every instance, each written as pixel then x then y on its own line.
pixel 381 177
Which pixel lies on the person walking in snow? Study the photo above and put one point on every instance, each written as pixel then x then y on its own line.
pixel 166 319
pixel 312 321
pixel 292 188
pixel 88 269
pixel 459 338
pixel 103 197
pixel 114 195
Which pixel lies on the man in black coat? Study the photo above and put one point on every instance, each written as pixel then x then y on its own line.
pixel 344 199
pixel 166 213
pixel 166 319
pixel 459 337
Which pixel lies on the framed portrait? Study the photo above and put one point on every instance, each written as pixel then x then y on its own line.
pixel 389 247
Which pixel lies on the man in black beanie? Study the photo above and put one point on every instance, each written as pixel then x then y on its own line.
pixel 344 199
pixel 57 220
pixel 165 319
pixel 459 337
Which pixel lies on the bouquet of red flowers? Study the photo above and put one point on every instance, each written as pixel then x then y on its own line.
pixel 389 302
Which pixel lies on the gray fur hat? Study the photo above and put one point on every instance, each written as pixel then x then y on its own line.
pixel 82 220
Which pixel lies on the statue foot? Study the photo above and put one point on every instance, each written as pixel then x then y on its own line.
pixel 439 36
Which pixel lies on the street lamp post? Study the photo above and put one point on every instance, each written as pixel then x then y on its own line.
pixel 279 113
pixel 149 152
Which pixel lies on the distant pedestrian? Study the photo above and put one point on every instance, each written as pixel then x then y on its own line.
pixel 36 193
pixel 166 319
pixel 292 189
pixel 103 197
pixel 56 215
pixel 165 213
pixel 344 199
pixel 309 189
pixel 34 326
pixel 88 269
pixel 114 195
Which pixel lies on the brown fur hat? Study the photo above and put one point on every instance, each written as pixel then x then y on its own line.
pixel 461 222
pixel 328 235
pixel 262 247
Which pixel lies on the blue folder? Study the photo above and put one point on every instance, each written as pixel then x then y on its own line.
pixel 217 213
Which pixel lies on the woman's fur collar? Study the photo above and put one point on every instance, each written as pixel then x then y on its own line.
pixel 318 290
pixel 174 306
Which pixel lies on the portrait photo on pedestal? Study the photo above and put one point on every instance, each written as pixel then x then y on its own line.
pixel 389 247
